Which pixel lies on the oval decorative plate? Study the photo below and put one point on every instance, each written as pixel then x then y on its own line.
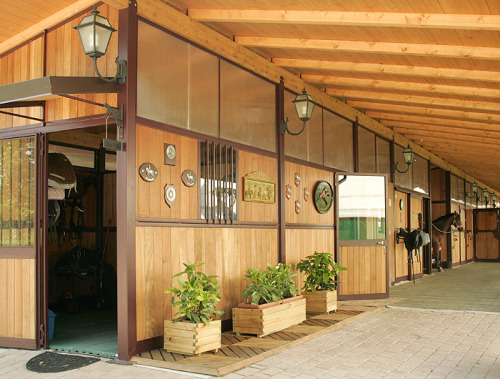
pixel 323 196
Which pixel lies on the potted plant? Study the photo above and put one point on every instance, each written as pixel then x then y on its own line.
pixel 320 285
pixel 196 331
pixel 272 304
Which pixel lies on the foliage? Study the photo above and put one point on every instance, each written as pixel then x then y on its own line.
pixel 320 270
pixel 198 295
pixel 274 283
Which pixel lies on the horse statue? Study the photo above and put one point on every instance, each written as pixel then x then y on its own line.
pixel 413 240
pixel 442 227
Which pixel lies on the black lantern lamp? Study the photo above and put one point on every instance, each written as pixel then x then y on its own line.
pixel 485 195
pixel 95 32
pixel 474 191
pixel 408 155
pixel 494 199
pixel 304 105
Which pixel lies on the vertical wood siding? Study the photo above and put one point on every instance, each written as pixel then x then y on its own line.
pixel 161 251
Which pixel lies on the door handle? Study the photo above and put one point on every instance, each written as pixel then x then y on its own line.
pixel 381 243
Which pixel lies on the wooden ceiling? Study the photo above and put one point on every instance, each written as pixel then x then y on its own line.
pixel 429 69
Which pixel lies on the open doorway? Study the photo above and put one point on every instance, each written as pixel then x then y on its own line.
pixel 81 244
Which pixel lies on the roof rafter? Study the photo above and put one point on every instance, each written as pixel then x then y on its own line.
pixel 424 111
pixel 427 50
pixel 458 137
pixel 378 68
pixel 456 131
pixel 394 85
pixel 477 106
pixel 386 19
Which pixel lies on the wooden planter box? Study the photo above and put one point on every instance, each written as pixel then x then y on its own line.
pixel 321 301
pixel 264 319
pixel 189 338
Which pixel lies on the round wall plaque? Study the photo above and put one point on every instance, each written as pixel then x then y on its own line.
pixel 401 204
pixel 189 178
pixel 148 172
pixel 323 196
pixel 170 194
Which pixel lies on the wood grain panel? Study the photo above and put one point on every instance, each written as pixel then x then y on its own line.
pixel 161 251
pixel 17 298
pixel 486 220
pixel 366 270
pixel 416 208
pixel 65 57
pixel 22 64
pixel 309 177
pixel 438 186
pixel 438 210
pixel 401 221
pixel 150 195
pixel 487 246
pixel 303 242
pixel 253 211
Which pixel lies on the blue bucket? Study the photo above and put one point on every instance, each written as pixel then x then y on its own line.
pixel 52 321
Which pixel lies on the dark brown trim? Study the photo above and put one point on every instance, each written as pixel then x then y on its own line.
pixel 439 201
pixel 83 100
pixel 39 35
pixel 18 252
pixel 310 226
pixel 18 343
pixel 468 261
pixel 280 139
pixel 355 140
pixel 369 296
pixel 201 137
pixel 150 344
pixel 401 279
pixel 21 116
pixel 125 184
pixel 202 224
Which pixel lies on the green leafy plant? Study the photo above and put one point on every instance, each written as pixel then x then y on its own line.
pixel 197 296
pixel 272 284
pixel 320 270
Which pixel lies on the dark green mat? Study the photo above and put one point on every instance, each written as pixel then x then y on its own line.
pixel 93 332
pixel 53 362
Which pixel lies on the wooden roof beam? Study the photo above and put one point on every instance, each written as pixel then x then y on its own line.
pixel 437 122
pixel 55 19
pixel 384 19
pixel 423 134
pixel 422 110
pixel 429 101
pixel 377 68
pixel 459 132
pixel 426 50
pixel 392 85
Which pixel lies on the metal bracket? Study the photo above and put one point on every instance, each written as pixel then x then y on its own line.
pixel 117 115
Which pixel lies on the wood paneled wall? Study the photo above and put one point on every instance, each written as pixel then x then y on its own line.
pixel 308 178
pixel 160 252
pixel 253 211
pixel 150 195
pixel 401 221
pixel 17 298
pixel 416 208
pixel 438 210
pixel 366 270
pixel 487 246
pixel 438 185
pixel 65 57
pixel 303 242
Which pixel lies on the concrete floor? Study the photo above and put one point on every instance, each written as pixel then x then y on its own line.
pixel 453 332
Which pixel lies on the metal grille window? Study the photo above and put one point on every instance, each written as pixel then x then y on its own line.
pixel 218 182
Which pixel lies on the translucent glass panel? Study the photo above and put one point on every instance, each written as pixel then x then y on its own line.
pixel 338 142
pixel 248 108
pixel 402 179
pixel 362 208
pixel 177 84
pixel 309 144
pixel 383 156
pixel 17 192
pixel 366 151
pixel 420 175
pixel 457 189
pixel 77 157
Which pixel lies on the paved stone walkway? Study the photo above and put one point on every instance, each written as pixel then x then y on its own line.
pixel 390 343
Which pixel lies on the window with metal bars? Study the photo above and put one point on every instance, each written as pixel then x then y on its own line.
pixel 218 183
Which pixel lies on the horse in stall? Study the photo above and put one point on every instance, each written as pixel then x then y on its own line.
pixel 442 227
pixel 413 241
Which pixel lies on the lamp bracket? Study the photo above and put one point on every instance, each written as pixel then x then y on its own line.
pixel 395 168
pixel 117 115
pixel 121 71
pixel 284 128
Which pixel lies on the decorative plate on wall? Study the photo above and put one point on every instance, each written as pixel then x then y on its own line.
pixel 297 179
pixel 170 154
pixel 306 194
pixel 298 207
pixel 189 178
pixel 288 191
pixel 170 194
pixel 323 196
pixel 148 172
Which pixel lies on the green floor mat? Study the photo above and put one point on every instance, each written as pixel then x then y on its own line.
pixel 93 332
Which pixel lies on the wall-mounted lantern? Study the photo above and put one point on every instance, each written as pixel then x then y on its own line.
pixel 304 105
pixel 95 32
pixel 474 191
pixel 494 199
pixel 408 155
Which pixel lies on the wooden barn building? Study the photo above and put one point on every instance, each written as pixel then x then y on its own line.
pixel 194 152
